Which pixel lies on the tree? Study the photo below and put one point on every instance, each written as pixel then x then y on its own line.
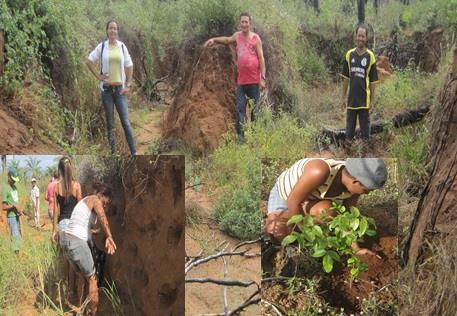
pixel 361 11
pixel 3 164
pixel 376 6
pixel 13 164
pixel 435 214
pixel 33 166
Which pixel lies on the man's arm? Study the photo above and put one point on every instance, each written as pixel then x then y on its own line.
pixel 226 40
pixel 372 89
pixel 344 95
pixel 262 62
pixel 109 243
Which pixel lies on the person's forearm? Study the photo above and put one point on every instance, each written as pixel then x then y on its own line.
pixel 104 222
pixel 262 67
pixel 92 69
pixel 221 40
pixel 129 74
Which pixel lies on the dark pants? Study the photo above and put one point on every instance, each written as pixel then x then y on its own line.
pixel 251 91
pixel 364 121
pixel 111 97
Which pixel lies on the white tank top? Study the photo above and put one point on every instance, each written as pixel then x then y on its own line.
pixel 289 178
pixel 81 221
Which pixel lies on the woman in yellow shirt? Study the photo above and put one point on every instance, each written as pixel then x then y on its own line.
pixel 115 76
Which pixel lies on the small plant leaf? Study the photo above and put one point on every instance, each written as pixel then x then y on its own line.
pixel 327 263
pixel 318 231
pixel 319 253
pixel 335 256
pixel 355 223
pixel 309 221
pixel 363 226
pixel 371 232
pixel 295 219
pixel 288 240
pixel 355 212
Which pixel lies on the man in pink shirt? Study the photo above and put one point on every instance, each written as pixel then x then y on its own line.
pixel 251 68
pixel 49 197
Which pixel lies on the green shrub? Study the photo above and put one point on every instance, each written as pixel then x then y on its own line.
pixel 237 212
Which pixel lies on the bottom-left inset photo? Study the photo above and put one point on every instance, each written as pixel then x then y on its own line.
pixel 92 235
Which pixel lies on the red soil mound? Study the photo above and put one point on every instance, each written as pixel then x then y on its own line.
pixel 204 107
pixel 16 138
pixel 147 222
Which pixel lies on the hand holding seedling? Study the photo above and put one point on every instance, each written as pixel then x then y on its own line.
pixel 365 251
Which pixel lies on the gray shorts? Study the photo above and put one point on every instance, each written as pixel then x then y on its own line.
pixel 275 201
pixel 79 254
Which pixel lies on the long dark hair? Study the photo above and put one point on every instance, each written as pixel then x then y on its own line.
pixel 103 189
pixel 66 175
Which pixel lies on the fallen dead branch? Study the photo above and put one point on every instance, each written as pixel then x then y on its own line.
pixel 192 262
pixel 221 282
pixel 337 136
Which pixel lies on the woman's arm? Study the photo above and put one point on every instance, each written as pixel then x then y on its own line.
pixel 55 214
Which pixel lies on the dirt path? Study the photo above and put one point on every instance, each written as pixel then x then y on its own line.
pixel 205 236
pixel 147 125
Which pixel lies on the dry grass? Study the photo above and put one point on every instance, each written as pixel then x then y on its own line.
pixel 432 288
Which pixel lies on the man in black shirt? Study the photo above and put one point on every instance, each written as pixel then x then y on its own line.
pixel 360 75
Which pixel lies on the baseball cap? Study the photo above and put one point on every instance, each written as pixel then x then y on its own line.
pixel 371 172
pixel 33 180
pixel 12 173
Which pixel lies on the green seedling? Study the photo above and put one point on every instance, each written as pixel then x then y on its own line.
pixel 333 241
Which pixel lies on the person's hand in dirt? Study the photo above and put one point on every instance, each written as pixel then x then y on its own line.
pixel 365 251
pixel 110 246
pixel 276 225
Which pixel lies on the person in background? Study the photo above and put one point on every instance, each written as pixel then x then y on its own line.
pixel 10 205
pixel 49 197
pixel 35 199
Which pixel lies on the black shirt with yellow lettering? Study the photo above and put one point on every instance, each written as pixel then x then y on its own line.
pixel 361 71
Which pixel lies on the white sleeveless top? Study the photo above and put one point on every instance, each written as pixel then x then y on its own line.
pixel 81 221
pixel 289 178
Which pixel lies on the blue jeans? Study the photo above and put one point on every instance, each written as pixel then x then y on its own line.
pixel 15 228
pixel 111 97
pixel 252 91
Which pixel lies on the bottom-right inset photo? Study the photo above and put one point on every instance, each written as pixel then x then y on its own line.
pixel 330 238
